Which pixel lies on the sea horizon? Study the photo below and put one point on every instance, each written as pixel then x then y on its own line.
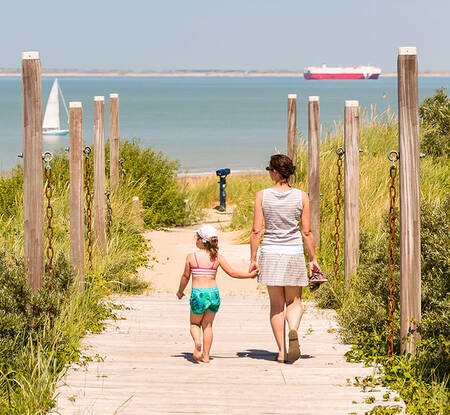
pixel 204 122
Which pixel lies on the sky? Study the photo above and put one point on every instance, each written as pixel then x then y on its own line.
pixel 224 34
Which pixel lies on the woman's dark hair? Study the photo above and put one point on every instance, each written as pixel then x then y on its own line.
pixel 283 165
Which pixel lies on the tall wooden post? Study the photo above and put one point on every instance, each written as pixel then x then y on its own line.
pixel 76 190
pixel 99 172
pixel 408 135
pixel 114 140
pixel 351 189
pixel 314 166
pixel 32 169
pixel 292 127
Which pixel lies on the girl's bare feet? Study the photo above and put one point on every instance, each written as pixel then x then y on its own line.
pixel 205 359
pixel 197 352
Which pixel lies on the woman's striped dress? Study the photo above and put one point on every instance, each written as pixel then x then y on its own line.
pixel 282 260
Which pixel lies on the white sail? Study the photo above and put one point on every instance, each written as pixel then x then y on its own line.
pixel 51 117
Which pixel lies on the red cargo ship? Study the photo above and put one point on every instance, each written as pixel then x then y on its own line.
pixel 339 72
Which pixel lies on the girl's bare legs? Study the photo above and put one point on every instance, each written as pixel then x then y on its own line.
pixel 277 301
pixel 207 322
pixel 294 306
pixel 196 333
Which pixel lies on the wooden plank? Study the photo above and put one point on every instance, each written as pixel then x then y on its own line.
pixel 351 189
pixel 292 127
pixel 76 190
pixel 99 172
pixel 149 367
pixel 114 140
pixel 32 169
pixel 314 166
pixel 408 126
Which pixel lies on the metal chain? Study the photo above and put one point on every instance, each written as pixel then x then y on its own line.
pixel 122 169
pixel 393 156
pixel 87 178
pixel 337 221
pixel 47 157
pixel 108 213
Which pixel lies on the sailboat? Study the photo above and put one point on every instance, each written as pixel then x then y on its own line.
pixel 51 125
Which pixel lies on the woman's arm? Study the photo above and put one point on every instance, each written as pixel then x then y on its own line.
pixel 184 277
pixel 232 272
pixel 255 237
pixel 307 234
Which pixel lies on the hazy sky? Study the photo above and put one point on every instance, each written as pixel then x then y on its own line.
pixel 227 34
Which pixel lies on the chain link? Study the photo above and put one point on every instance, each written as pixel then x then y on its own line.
pixel 122 169
pixel 393 157
pixel 87 178
pixel 47 157
pixel 337 221
pixel 108 213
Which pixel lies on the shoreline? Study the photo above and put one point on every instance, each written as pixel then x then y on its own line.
pixel 195 74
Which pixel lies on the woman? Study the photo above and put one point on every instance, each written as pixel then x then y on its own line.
pixel 282 262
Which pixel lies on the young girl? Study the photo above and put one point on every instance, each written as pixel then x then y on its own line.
pixel 205 299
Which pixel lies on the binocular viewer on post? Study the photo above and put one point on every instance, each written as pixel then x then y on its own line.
pixel 223 172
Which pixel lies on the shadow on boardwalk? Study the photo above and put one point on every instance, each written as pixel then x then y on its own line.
pixel 146 366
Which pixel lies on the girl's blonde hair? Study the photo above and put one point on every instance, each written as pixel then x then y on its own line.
pixel 211 246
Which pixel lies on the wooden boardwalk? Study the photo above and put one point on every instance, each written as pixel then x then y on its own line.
pixel 143 364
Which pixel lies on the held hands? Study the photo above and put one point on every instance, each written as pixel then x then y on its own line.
pixel 254 273
pixel 253 266
pixel 180 295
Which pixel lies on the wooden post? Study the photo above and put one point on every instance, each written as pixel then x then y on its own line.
pixel 351 189
pixel 408 136
pixel 32 169
pixel 314 166
pixel 114 140
pixel 292 127
pixel 99 172
pixel 76 190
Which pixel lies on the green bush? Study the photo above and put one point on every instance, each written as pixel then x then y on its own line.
pixel 435 116
pixel 11 188
pixel 162 200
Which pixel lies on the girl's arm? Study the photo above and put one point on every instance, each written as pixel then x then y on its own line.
pixel 255 237
pixel 184 277
pixel 308 235
pixel 232 272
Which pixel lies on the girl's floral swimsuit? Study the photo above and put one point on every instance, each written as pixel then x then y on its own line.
pixel 203 299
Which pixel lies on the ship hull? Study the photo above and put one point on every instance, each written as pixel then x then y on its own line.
pixel 314 76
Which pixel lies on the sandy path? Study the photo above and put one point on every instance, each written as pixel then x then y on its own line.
pixel 168 250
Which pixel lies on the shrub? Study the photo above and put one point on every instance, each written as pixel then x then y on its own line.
pixel 162 200
pixel 435 115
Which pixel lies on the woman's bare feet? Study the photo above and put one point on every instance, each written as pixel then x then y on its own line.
pixel 197 352
pixel 281 358
pixel 205 359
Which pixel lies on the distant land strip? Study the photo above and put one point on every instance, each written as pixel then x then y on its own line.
pixel 11 72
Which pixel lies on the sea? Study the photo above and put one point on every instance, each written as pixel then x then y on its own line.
pixel 206 123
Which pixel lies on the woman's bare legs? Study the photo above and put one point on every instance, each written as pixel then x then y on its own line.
pixel 207 321
pixel 277 301
pixel 196 333
pixel 294 312
pixel 294 306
